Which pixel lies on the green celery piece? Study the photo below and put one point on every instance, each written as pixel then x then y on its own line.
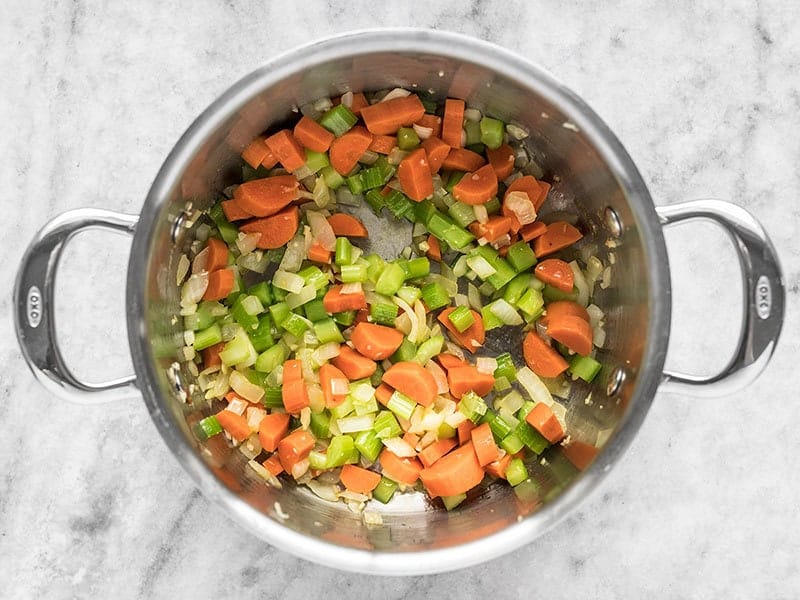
pixel 473 131
pixel 227 230
pixel 450 502
pixel 385 490
pixel 340 450
pixel 407 138
pixel 369 445
pixel 461 318
pixel 316 161
pixel 273 397
pixel 552 294
pixel 503 273
pixel 474 407
pixel 516 287
pixel 423 211
pixel 207 337
pixel 534 440
pixel 320 425
pixel 261 291
pixel 435 296
pixel 493 206
pixel 315 310
pixel 390 280
pixel 405 352
pixel 584 367
pixel 386 425
pixel 401 405
pixel 206 428
pixel 462 214
pixel 512 443
pixel 417 267
pixel 409 294
pixel 279 313
pixel 521 256
pixel 261 336
pixel 490 320
pixel 338 120
pixel 492 131
pixel 345 318
pixel 327 331
pixel 383 313
pixel 332 178
pixel 344 251
pixel 516 472
pixel 295 324
pixel 271 358
pixel 531 302
pixel 428 349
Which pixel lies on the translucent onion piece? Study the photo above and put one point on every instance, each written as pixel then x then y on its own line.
pixel 264 474
pixel 254 416
pixel 395 156
pixel 598 336
pixel 326 352
pixel 399 446
pixel 521 206
pixel 396 93
pixel 474 297
pixel 439 376
pixel 237 406
pixel 305 417
pixel 307 294
pixel 516 132
pixel 200 262
pixel 535 387
pixel 321 229
pixel 505 312
pixel 480 213
pixel 242 386
pixel 291 282
pixel 351 288
pixel 246 242
pixel 339 386
pixel 294 255
pixel 251 447
pixel 326 491
pixel 455 419
pixel 423 133
pixel 369 157
pixel 194 288
pixel 486 364
pixel 182 269
pixel 595 314
pixel 299 469
pixel 347 99
pixel 413 332
pixel 472 114
pixel 581 284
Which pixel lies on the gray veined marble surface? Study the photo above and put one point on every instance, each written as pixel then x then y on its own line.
pixel 706 100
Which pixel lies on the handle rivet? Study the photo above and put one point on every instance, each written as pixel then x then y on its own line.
pixel 613 221
pixel 615 381
pixel 177 226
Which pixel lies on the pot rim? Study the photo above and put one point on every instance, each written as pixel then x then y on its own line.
pixel 509 65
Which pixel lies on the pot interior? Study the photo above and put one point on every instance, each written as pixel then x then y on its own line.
pixel 570 149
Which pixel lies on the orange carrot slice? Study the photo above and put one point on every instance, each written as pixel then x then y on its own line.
pixel 454 473
pixel 555 272
pixel 312 135
pixel 217 254
pixel 277 230
pixel 235 425
pixel 494 228
pixel 502 160
pixel 319 254
pixel 267 196
pixel 413 380
pixel 434 251
pixel 327 374
pixel 387 117
pixel 543 419
pixel 294 448
pixel 477 187
pixel 563 308
pixel 415 176
pixel 255 152
pixel 376 341
pixel 453 122
pixel 220 284
pixel 541 358
pixel 402 470
pixel 233 211
pixel 559 235
pixel 347 225
pixel 383 144
pixel 272 429
pixel 347 149
pixel 359 480
pixel 335 301
pixel 464 379
pixel 486 449
pixel 352 364
pixel 573 332
pixel 437 152
pixel 461 159
pixel 436 450
pixel 289 152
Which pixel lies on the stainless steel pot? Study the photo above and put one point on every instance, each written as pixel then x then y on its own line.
pixel 594 178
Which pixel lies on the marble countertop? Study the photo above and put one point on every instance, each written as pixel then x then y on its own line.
pixel 704 503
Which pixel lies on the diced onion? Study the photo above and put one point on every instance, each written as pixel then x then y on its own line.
pixel 454 349
pixel 535 387
pixel 299 469
pixel 254 417
pixel 326 352
pixel 595 314
pixel 305 417
pixel 242 386
pixel 481 266
pixel 505 312
pixel 397 92
pixel 486 364
pixel 427 439
pixel 246 242
pixel 423 133
pixel 237 406
pixel 461 300
pixel 580 283
pixel 419 311
pixel 251 447
pixel 455 419
pixel 431 420
pixel 264 474
pixel 472 114
pixel 321 193
pixel 605 283
pixel 192 291
pixel 362 392
pixel 339 386
pixel 316 399
pixel 291 282
pixel 182 269
pixel 481 213
pixel 354 424
pixel 351 288
pixel 326 491
pixel 307 294
pixel 323 104
pixel 521 206
pixel 347 99
pixel 200 262
pixel 439 376
pixel 321 229
pixel 399 447
pixel 413 331
pixel 598 336
pixel 369 157
pixel 254 261
pixel 395 156
pixel 516 132
pixel 511 402
pixel 474 297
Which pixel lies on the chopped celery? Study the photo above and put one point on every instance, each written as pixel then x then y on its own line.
pixel 315 161
pixel 409 294
pixel 473 131
pixel 492 206
pixel 521 256
pixel 344 251
pixel 369 445
pixel 207 337
pixel 505 367
pixel 327 331
pixel 295 324
pixel 315 310
pixel 407 138
pixel 313 275
pixel 490 320
pixel 206 428
pixel 499 426
pixel 423 211
pixel 417 267
pixel 371 178
pixel 390 280
pixel 355 184
pixel 503 273
pixel 450 502
pixel 516 472
pixel 531 302
pixel 342 409
pixel 428 349
pixel 511 443
pixel 474 407
pixel 375 266
pixel 516 287
pixel 405 352
pixel 317 460
pixel 383 313
pixel 338 120
pixel 401 405
pixel 272 357
pixel 320 424
pixel 385 490
pixel 552 294
pixel 399 204
pixel 339 450
pixel 462 214
pixel 386 425
pixel 584 367
pixel 261 336
pixel 375 199
pixel 239 350
pixel 534 440
pixel 279 312
pixel 435 296
pixel 261 291
pixel 354 273
pixel 228 231
pixel 345 318
pixel 461 318
pixel 332 178
pixel 273 397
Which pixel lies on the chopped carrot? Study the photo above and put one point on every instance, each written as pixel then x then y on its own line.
pixel 477 187
pixel 352 364
pixel 231 396
pixel 383 144
pixel 555 272
pixel 531 186
pixel 270 160
pixel 559 235
pixel 295 396
pixel 454 473
pixel 432 122
pixel 382 394
pixel 359 480
pixel 453 122
pixel 294 448
pixel 335 301
pixel 347 225
pixel 437 151
pixel 435 451
pixel 235 425
pixel 267 196
pixel 485 447
pixel 411 439
pixel 272 429
pixel 573 332
pixel 544 420
pixel 255 152
pixel 502 161
pixel 233 211
pixel 289 152
pixel 376 341
pixel 327 375
pixel 544 189
pixel 347 149
pixel 415 176
pixel 434 251
pixel 461 159
pixel 387 117
pixel 211 355
pixel 220 284
pixel 217 254
pixel 319 254
pixel 273 465
pixel 401 470
pixel 494 228
pixel 359 102
pixel 498 467
pixel 276 230
pixel 563 308
pixel 580 454
pixel 464 379
pixel 413 380
pixel 448 361
pixel 532 230
pixel 541 358
pixel 312 135
pixel 464 431
pixel 292 370
pixel 471 338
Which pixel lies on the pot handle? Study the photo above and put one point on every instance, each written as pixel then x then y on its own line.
pixel 33 307
pixel 764 297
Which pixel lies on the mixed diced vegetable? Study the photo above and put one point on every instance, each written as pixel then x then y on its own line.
pixel 361 375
